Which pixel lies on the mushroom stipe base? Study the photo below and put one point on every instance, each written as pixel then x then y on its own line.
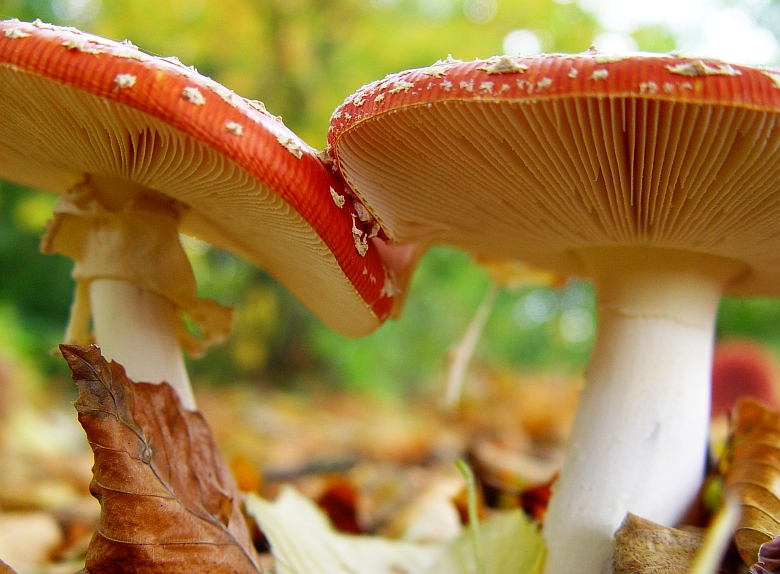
pixel 147 342
pixel 639 439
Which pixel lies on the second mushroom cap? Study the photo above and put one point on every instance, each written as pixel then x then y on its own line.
pixel 652 174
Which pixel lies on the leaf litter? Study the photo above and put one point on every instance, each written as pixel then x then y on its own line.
pixel 397 472
pixel 169 500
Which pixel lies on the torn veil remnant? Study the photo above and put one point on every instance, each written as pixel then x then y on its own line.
pixel 652 174
pixel 143 148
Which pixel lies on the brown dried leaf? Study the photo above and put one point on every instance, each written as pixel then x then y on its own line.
pixel 644 547
pixel 168 500
pixel 6 569
pixel 753 476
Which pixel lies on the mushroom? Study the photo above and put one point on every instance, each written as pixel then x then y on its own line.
pixel 654 175
pixel 742 368
pixel 142 148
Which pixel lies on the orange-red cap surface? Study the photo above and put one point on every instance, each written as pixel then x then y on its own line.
pixel 74 106
pixel 543 157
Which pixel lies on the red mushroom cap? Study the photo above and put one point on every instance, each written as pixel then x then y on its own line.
pixel 542 157
pixel 74 104
pixel 742 368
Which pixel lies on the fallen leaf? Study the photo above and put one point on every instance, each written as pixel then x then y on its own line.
pixel 753 476
pixel 644 547
pixel 432 515
pixel 6 569
pixel 511 544
pixel 303 542
pixel 168 500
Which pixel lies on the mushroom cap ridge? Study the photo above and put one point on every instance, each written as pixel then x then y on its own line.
pixel 538 158
pixel 250 184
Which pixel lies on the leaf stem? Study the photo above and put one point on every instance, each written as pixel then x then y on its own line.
pixel 717 539
pixel 471 489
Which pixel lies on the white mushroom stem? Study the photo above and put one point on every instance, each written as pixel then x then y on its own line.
pixel 133 280
pixel 639 440
pixel 137 329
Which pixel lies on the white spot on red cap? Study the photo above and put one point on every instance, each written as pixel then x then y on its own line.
pixel 608 58
pixel 16 33
pixel 338 199
pixel 600 74
pixel 326 155
pixel 775 77
pixel 363 214
pixel 699 68
pixel 123 81
pixel 224 93
pixel 193 95
pixel 234 128
pixel 435 71
pixel 648 88
pixel 38 23
pixel 289 143
pixel 503 65
pixel 544 83
pixel 82 45
pixel 359 237
pixel 401 86
pixel 130 53
pixel 389 288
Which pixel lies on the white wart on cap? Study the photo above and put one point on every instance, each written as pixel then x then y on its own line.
pixel 655 175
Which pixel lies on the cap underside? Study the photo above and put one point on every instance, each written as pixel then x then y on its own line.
pixel 52 135
pixel 540 179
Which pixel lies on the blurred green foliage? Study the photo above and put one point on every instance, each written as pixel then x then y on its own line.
pixel 751 318
pixel 302 58
pixel 35 291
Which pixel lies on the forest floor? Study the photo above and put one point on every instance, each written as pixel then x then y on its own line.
pixel 375 465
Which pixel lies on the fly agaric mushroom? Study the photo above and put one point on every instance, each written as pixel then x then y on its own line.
pixel 742 368
pixel 654 175
pixel 142 148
